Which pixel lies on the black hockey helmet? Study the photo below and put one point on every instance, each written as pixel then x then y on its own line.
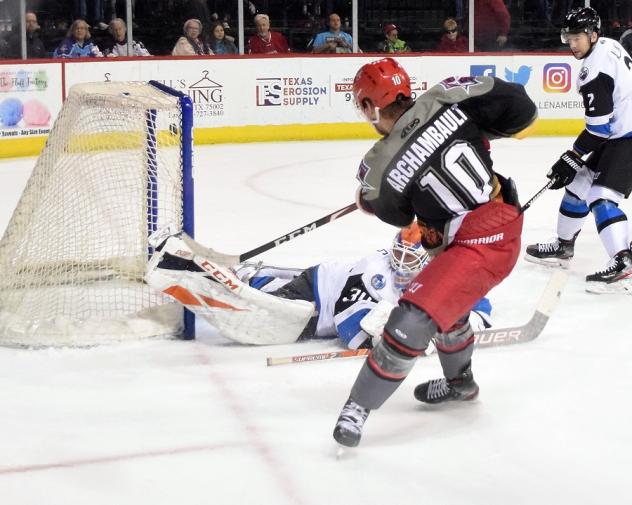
pixel 584 20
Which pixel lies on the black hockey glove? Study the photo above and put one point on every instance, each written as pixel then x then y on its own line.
pixel 564 170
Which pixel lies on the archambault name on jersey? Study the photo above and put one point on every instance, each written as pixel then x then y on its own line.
pixel 423 144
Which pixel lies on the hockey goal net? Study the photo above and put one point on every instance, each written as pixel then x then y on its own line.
pixel 116 166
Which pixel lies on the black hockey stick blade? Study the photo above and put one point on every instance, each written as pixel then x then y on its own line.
pixel 532 329
pixel 234 259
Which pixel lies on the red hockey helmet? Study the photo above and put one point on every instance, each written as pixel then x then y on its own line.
pixel 381 82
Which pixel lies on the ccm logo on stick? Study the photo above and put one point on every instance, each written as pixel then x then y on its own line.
pixel 295 233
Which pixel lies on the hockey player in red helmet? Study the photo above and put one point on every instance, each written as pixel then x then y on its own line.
pixel 433 164
pixel 378 85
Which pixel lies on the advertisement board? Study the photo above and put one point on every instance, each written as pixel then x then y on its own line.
pixel 251 99
pixel 30 99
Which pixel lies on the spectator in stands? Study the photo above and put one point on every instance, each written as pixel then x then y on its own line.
pixel 34 45
pixel 392 44
pixel 452 40
pixel 266 41
pixel 78 43
pixel 191 43
pixel 118 43
pixel 491 25
pixel 334 40
pixel 220 42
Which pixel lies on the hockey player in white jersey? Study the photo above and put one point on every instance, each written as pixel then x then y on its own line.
pixel 346 292
pixel 597 172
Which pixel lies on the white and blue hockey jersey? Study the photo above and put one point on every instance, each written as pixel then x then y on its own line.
pixel 345 292
pixel 605 83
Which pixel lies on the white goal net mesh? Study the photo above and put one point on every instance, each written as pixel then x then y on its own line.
pixel 73 256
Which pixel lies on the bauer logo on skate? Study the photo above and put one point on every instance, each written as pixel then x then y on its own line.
pixel 482 240
pixel 422 145
pixel 289 91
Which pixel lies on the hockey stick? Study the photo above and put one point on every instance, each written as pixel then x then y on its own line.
pixel 530 330
pixel 537 195
pixel 230 259
pixel 483 339
pixel 320 356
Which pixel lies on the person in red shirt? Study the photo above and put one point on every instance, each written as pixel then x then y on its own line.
pixel 266 41
pixel 491 25
pixel 452 41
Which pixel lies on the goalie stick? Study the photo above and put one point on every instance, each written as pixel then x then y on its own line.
pixel 483 339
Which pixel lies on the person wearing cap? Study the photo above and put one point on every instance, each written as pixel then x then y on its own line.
pixel 392 44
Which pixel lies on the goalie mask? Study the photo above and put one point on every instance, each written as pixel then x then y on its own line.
pixel 408 257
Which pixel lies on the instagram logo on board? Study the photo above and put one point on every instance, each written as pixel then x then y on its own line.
pixel 556 78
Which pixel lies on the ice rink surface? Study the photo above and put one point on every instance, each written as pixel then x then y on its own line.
pixel 206 422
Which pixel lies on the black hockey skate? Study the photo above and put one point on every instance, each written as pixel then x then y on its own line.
pixel 615 278
pixel 348 430
pixel 556 253
pixel 462 388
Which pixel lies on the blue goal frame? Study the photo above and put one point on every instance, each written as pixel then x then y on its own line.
pixel 186 155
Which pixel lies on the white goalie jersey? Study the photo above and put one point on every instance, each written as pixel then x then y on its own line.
pixel 345 293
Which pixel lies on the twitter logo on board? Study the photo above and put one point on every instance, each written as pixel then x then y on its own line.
pixel 520 77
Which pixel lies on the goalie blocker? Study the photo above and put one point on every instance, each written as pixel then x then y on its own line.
pixel 212 291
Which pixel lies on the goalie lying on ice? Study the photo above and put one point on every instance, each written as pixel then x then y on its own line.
pixel 349 300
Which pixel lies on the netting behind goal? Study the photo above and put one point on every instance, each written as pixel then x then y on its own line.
pixel 116 167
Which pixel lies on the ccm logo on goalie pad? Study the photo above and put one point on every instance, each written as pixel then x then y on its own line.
pixel 218 275
pixel 295 233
